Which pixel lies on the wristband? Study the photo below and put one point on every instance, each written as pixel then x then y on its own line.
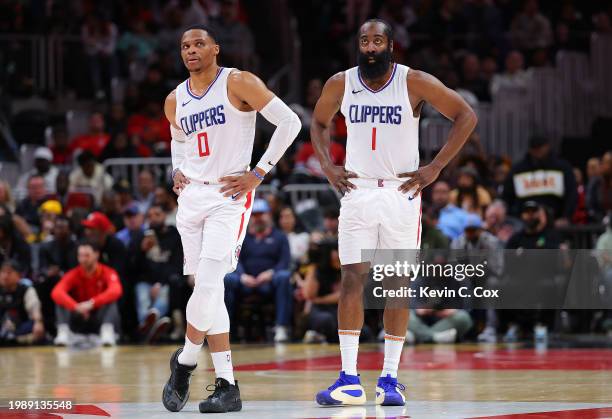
pixel 257 175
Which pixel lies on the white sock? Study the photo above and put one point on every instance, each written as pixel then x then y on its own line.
pixel 393 352
pixel 349 347
pixel 223 365
pixel 190 353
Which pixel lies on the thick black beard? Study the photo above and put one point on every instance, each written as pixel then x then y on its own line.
pixel 377 69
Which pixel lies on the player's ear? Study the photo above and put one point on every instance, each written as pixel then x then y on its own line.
pixel 216 49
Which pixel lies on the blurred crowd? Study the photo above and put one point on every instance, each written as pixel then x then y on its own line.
pixel 85 255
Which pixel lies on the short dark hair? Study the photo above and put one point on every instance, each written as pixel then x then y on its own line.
pixel 91 244
pixel 86 157
pixel 211 33
pixel 388 31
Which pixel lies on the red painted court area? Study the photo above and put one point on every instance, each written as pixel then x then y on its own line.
pixel 501 359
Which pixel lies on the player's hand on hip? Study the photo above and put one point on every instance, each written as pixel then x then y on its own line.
pixel 180 181
pixel 339 177
pixel 237 186
pixel 419 179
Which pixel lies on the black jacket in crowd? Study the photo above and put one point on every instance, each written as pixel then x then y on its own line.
pixel 163 263
pixel 549 182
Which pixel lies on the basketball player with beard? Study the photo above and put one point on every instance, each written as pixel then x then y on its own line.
pixel 382 182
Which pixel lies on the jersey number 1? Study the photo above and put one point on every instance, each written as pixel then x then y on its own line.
pixel 373 138
pixel 203 144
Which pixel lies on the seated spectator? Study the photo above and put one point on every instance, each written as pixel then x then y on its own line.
pixel 599 195
pixel 469 194
pixel 99 231
pixel 156 261
pixel 536 234
pixel 123 188
pixel 307 165
pixel 49 211
pixel 427 325
pixel 43 168
pixel 313 92
pixel 298 242
pixel 165 196
pixel 111 207
pixel 86 299
pixel 263 269
pixel 321 290
pixel 95 140
pixel 543 178
pixel 482 247
pixel 119 147
pixel 6 197
pixel 431 236
pixel 90 177
pixel 133 220
pixel 62 155
pixel 330 223
pixel 452 219
pixel 592 169
pixel 28 206
pixel 152 127
pixel 145 190
pixel 530 29
pixel 236 37
pixel 56 257
pixel 604 252
pixel 471 79
pixel 514 78
pixel 498 223
pixel 12 244
pixel 20 315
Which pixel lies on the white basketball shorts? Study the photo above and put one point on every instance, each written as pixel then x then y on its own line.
pixel 211 225
pixel 377 216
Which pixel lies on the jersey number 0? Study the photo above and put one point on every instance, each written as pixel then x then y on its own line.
pixel 203 144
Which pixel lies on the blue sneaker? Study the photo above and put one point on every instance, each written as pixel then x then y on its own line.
pixel 347 390
pixel 387 393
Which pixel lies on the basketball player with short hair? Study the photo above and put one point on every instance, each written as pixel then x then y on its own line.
pixel 212 116
pixel 381 102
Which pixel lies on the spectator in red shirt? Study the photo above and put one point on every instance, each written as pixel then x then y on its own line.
pixel 62 154
pixel 95 140
pixel 86 298
pixel 152 127
pixel 307 163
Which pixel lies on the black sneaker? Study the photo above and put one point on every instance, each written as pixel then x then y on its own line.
pixel 225 398
pixel 176 390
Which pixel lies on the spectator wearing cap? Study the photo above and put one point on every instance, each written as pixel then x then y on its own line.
pixel 543 178
pixel 156 262
pixel 28 206
pixel 49 211
pixel 20 314
pixel 133 220
pixel 536 234
pixel 100 231
pixel 43 168
pixel 90 177
pixel 263 268
pixel 452 218
pixel 86 298
pixel 469 194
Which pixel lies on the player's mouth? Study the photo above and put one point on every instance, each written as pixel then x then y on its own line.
pixel 193 60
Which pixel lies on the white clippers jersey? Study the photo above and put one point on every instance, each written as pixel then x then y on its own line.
pixel 219 137
pixel 383 134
